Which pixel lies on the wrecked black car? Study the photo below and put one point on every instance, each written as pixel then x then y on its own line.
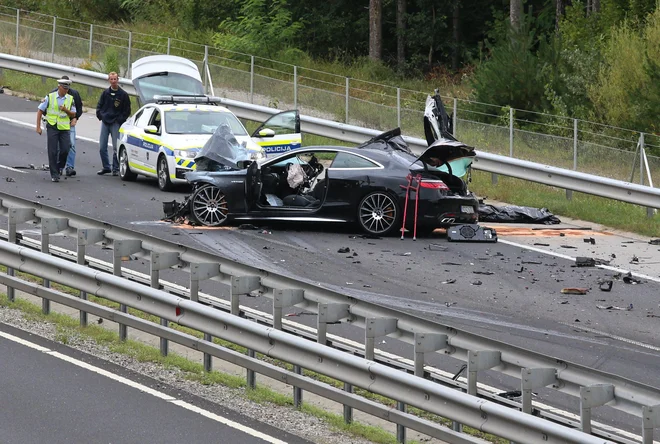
pixel 368 184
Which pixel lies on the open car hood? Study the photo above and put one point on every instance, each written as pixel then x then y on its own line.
pixel 165 75
pixel 389 140
pixel 221 152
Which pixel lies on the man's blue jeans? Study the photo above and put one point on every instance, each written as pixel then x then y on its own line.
pixel 111 130
pixel 71 158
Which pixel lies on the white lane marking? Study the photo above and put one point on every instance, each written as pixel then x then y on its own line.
pixel 228 422
pixel 31 125
pixel 563 256
pixel 145 389
pixel 12 169
pixel 611 336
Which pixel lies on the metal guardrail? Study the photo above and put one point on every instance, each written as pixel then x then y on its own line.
pixel 534 172
pixel 482 415
pixel 594 387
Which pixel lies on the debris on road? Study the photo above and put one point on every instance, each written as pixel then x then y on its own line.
pixel 531 262
pixel 629 279
pixel 449 281
pixel 477 282
pixel 569 247
pixel 487 273
pixel 585 261
pixel 541 245
pixel 590 240
pixel 247 227
pixel 654 242
pixel 9 179
pixel 606 285
pixel 436 247
pixel 516 214
pixel 614 307
pixel 574 290
pixel 344 250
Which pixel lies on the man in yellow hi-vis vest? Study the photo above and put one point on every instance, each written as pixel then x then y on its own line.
pixel 59 109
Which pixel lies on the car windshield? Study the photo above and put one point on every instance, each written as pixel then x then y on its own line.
pixel 221 152
pixel 198 121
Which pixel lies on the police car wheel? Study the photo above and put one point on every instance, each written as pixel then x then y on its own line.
pixel 209 206
pixel 125 172
pixel 163 172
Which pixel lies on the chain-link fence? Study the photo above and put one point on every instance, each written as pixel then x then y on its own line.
pixel 555 140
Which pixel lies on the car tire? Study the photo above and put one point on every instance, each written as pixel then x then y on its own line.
pixel 163 173
pixel 125 172
pixel 379 214
pixel 208 206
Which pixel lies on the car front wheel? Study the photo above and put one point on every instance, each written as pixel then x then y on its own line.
pixel 125 172
pixel 379 214
pixel 209 206
pixel 163 172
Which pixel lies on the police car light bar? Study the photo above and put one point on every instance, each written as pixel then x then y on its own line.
pixel 188 99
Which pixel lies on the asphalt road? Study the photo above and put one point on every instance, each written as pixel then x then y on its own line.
pixel 47 398
pixel 509 291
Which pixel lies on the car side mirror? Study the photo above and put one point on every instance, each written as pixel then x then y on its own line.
pixel 244 164
pixel 151 129
pixel 266 132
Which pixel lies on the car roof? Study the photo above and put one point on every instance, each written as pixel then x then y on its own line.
pixel 379 155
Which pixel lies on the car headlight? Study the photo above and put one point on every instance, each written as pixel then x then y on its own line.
pixel 185 154
pixel 257 155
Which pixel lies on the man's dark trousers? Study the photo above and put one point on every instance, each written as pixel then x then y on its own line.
pixel 59 142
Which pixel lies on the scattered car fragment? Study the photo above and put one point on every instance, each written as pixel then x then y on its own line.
pixel 516 214
pixel 574 290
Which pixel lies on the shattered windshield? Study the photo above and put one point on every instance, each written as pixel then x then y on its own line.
pixel 221 152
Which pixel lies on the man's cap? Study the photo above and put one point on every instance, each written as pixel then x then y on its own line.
pixel 64 80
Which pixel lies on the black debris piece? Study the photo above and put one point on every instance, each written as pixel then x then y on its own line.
pixel 585 261
pixel 516 214
pixel 247 227
pixel 606 285
pixel 589 240
pixel 628 242
pixel 266 248
pixel 569 246
pixel 511 395
pixel 521 269
pixel 541 245
pixel 449 281
pixel 654 242
pixel 634 260
pixel 9 179
pixel 487 273
pixel 629 279
pixel 476 282
pixel 564 302
pixel 532 262
pixel 613 256
pixel 562 234
pixel 450 263
pixel 344 250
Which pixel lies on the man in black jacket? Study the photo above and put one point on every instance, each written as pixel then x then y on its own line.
pixel 71 158
pixel 113 108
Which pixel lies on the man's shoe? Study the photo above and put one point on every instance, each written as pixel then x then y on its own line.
pixel 115 173
pixel 61 170
pixel 70 172
pixel 55 179
pixel 102 172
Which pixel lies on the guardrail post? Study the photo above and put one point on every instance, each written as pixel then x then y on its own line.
pixel 200 272
pixel 569 193
pixel 244 285
pixel 533 378
pixel 375 328
pixel 650 420
pixel 477 361
pixel 162 261
pixel 52 43
pixel 347 96
pixel 123 248
pixel 50 225
pixel 331 313
pixel 91 41
pixel 510 132
pixel 454 119
pixel 16 216
pixel 86 236
pixel 593 396
pixel 18 22
pixel 426 343
pixel 286 298
pixel 251 79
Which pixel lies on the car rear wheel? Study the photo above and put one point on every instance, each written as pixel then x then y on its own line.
pixel 125 172
pixel 163 172
pixel 378 213
pixel 209 206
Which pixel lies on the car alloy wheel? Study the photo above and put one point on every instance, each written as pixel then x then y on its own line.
pixel 378 213
pixel 209 206
pixel 164 182
pixel 125 172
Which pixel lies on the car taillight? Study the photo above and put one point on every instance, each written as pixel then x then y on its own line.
pixel 434 185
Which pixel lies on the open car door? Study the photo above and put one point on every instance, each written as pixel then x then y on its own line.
pixel 280 133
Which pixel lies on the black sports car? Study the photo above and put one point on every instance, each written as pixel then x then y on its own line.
pixel 373 184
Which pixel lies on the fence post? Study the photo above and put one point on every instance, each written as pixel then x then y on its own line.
pixel 169 44
pixel 295 87
pixel 454 119
pixel 398 107
pixel 251 79
pixel 641 158
pixel 510 132
pixel 206 69
pixel 52 43
pixel 91 40
pixel 18 21
pixel 130 43
pixel 86 236
pixel 347 95
pixel 569 193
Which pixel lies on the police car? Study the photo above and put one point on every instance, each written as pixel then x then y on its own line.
pixel 162 139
